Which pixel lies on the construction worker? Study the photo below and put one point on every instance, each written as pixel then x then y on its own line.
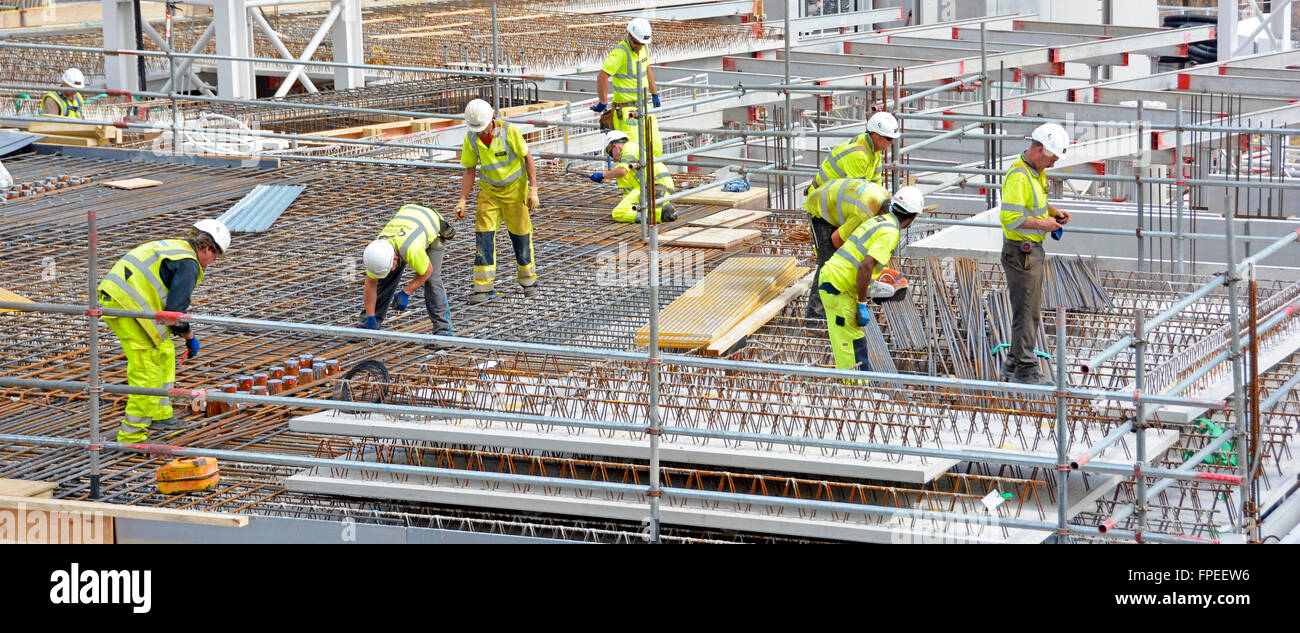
pixel 66 103
pixel 413 237
pixel 499 150
pixel 627 172
pixel 835 210
pixel 857 272
pixel 628 60
pixel 156 276
pixel 1026 219
pixel 862 157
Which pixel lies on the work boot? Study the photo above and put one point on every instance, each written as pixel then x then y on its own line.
pixel 168 425
pixel 637 219
pixel 1033 377
pixel 1008 372
pixel 480 297
pixel 531 291
pixel 669 213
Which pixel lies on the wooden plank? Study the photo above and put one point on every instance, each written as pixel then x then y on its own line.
pixel 758 318
pixel 5 295
pixel 101 132
pixel 459 12
pixel 731 218
pixel 411 36
pixel 133 183
pixel 27 488
pixel 194 517
pixel 699 237
pixel 435 27
pixel 79 141
pixel 755 198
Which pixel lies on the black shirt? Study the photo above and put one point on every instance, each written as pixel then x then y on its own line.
pixel 179 276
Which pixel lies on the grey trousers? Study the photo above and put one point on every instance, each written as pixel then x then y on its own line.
pixel 824 248
pixel 435 294
pixel 1024 273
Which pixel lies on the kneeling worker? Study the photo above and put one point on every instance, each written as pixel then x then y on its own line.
pixel 156 276
pixel 854 274
pixel 627 172
pixel 414 237
pixel 836 209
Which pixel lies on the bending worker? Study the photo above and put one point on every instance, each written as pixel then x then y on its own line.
pixel 627 172
pixel 853 274
pixel 156 276
pixel 628 61
pixel 863 156
pixel 413 237
pixel 1026 220
pixel 836 209
pixel 499 150
pixel 67 102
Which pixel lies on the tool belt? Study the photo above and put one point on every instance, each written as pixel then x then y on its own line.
pixel 1024 246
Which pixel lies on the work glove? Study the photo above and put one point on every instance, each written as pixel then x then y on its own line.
pixel 864 315
pixel 655 99
pixel 191 347
pixel 533 201
pixel 1056 235
pixel 460 209
pixel 599 107
pixel 371 323
pixel 400 300
pixel 597 177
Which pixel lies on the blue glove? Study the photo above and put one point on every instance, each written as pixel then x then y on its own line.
pixel 864 314
pixel 655 98
pixel 192 345
pixel 1056 235
pixel 400 300
pixel 599 107
pixel 597 177
pixel 371 323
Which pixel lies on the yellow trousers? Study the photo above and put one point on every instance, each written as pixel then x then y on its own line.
pixel 148 366
pixel 487 219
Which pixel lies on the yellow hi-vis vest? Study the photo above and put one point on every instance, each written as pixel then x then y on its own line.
pixel 410 232
pixel 846 202
pixel 134 282
pixel 499 164
pixel 1024 195
pixel 878 237
pixel 624 82
pixel 853 159
pixel 70 109
pixel 630 160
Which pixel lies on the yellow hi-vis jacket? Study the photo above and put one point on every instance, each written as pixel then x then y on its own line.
pixel 501 162
pixel 630 160
pixel 1024 195
pixel 68 108
pixel 876 237
pixel 852 159
pixel 623 66
pixel 846 203
pixel 410 232
pixel 135 281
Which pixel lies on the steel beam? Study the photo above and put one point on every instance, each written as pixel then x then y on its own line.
pixel 1100 30
pixel 1254 86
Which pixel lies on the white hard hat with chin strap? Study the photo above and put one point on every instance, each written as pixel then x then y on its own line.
pixel 378 258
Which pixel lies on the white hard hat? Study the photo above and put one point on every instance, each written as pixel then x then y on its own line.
pixel 909 200
pixel 614 136
pixel 1053 137
pixel 478 114
pixel 216 229
pixel 378 258
pixel 639 29
pixel 884 124
pixel 73 77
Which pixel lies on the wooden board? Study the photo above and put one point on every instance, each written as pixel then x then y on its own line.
pixel 755 198
pixel 100 132
pixel 27 488
pixel 700 237
pixel 78 141
pixel 758 318
pixel 5 295
pixel 126 512
pixel 133 183
pixel 731 218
